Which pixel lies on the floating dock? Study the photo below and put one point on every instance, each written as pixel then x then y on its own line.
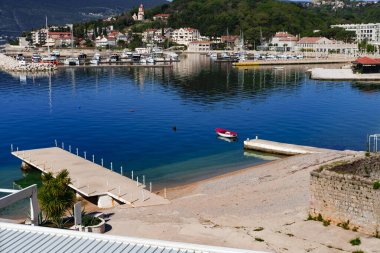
pixel 280 148
pixel 90 179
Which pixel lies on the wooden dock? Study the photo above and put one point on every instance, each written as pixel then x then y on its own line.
pixel 90 179
pixel 280 148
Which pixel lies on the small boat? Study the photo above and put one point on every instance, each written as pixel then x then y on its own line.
pixel 150 60
pixel 71 61
pixel 225 133
pixel 142 60
pixel 278 68
pixel 36 58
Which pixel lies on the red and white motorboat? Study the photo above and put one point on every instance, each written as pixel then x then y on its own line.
pixel 225 133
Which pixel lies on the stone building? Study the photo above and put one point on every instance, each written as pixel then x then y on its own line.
pixel 347 193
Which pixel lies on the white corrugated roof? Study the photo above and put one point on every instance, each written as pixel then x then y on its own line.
pixel 24 238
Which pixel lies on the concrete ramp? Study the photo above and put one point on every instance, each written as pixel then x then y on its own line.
pixel 280 148
pixel 90 179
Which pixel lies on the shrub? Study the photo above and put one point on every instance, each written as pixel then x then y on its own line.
pixel 259 229
pixel 88 220
pixel 259 239
pixel 355 242
pixel 367 154
pixel 326 223
pixel 55 196
pixel 376 185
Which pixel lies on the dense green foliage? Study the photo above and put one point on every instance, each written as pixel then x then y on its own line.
pixel 213 17
pixel 55 197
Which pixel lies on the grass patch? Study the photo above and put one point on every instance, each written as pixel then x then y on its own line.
pixel 290 235
pixel 258 229
pixel 355 242
pixel 345 225
pixel 259 239
pixel 358 251
pixel 376 185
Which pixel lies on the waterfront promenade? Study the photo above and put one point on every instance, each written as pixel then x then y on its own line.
pixel 90 179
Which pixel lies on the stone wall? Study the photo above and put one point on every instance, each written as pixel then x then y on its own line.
pixel 345 193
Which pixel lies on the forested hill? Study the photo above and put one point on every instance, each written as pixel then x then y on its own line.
pixel 23 15
pixel 213 17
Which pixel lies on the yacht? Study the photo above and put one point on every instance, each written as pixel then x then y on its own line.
pixel 95 59
pixel 71 61
pixel 36 58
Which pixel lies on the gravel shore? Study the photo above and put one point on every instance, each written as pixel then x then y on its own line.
pixel 262 208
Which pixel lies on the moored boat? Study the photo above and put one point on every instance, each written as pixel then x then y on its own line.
pixel 225 133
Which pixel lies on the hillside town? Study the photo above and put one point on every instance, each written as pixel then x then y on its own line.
pixel 190 39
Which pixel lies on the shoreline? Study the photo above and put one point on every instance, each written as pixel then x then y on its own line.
pixel 268 201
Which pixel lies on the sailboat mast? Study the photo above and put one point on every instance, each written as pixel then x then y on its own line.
pixel 47 36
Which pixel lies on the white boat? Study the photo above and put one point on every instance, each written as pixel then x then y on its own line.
pixel 278 68
pixel 126 54
pixel 150 60
pixel 95 59
pixel 71 61
pixel 213 56
pixel 36 58
pixel 143 60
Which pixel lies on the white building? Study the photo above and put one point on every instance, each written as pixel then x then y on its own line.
pixel 140 16
pixel 199 46
pixel 104 42
pixel 185 35
pixel 370 32
pixel 324 45
pixel 39 37
pixel 284 41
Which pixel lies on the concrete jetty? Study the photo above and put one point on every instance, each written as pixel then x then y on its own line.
pixel 341 75
pixel 280 148
pixel 90 179
pixel 291 62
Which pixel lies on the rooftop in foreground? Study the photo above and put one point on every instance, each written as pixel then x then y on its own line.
pixel 24 238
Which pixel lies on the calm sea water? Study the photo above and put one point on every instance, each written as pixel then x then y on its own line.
pixel 160 122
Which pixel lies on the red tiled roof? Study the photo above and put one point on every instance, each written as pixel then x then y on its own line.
pixel 283 34
pixel 229 38
pixel 289 39
pixel 367 61
pixel 162 15
pixel 309 40
pixel 200 42
pixel 59 33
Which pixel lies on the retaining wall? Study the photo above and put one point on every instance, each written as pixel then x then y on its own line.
pixel 345 193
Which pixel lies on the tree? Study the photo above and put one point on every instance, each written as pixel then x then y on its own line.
pixel 55 196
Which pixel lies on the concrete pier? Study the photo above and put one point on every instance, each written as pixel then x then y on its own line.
pixel 90 179
pixel 341 75
pixel 280 148
pixel 292 62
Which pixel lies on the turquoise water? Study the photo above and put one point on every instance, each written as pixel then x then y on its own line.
pixel 160 122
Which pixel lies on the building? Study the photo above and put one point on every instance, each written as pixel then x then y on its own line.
pixel 21 238
pixel 324 45
pixel 199 46
pixel 185 35
pixel 283 41
pixel 366 65
pixel 369 32
pixel 161 16
pixel 39 36
pixel 310 43
pixel 60 39
pixel 104 41
pixel 140 16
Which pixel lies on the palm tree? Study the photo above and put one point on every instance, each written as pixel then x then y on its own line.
pixel 55 197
